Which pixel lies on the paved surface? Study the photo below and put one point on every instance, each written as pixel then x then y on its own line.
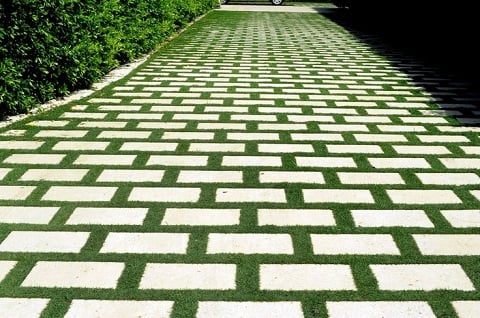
pixel 261 165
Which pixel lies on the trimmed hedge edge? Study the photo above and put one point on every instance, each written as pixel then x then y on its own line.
pixel 49 48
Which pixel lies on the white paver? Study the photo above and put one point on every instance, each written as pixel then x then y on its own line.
pixel 354 244
pixel 206 176
pixel 189 276
pixel 291 177
pixel 354 149
pixel 423 197
pixel 251 195
pixel 471 150
pixel 316 137
pixel 124 134
pixel 442 139
pixel 103 124
pixel 426 277
pixel 183 135
pixel 15 192
pixel 108 216
pixel 252 161
pixel 380 138
pixel 421 150
pixel 448 244
pixel 476 194
pixel 467 308
pixel 146 243
pixel 22 307
pixel 79 193
pixel 389 218
pixel 27 214
pixel 5 268
pixel 119 308
pixel 117 175
pixel 295 217
pixel 105 160
pixel 370 178
pixel 61 133
pixel 379 309
pixel 35 159
pixel 462 218
pixel 16 144
pixel 166 194
pixel 253 136
pixel 285 148
pixel 232 243
pixel 54 175
pixel 201 217
pixel 237 309
pixel 449 178
pixel 44 242
pixel 149 146
pixel 326 162
pixel 177 160
pixel 308 277
pixel 337 196
pixel 217 147
pixel 460 163
pixel 399 163
pixel 4 172
pixel 81 145
pixel 74 274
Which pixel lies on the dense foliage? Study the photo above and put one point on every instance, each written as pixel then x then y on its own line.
pixel 51 47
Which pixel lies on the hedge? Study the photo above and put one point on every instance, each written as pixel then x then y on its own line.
pixel 49 48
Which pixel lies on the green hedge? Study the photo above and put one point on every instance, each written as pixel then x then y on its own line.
pixel 49 48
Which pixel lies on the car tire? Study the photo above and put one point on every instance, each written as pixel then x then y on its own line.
pixel 277 2
pixel 223 1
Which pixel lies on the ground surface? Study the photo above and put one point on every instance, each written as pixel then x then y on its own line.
pixel 260 165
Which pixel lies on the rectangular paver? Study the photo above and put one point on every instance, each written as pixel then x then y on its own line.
pixel 79 193
pixel 68 274
pixel 251 195
pixel 44 242
pixel 426 277
pixel 241 309
pixel 119 308
pixel 107 216
pixel 423 197
pixel 15 192
pixel 306 277
pixel 23 307
pixel 164 194
pixel 27 214
pixel 337 196
pixel 391 218
pixel 149 243
pixel 448 244
pixel 356 244
pixel 201 217
pixel 231 243
pixel 379 309
pixel 189 276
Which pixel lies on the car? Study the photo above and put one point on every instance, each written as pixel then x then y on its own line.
pixel 274 2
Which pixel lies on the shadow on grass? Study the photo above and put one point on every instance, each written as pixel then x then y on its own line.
pixel 435 45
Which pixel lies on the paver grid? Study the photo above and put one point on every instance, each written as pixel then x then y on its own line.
pixel 260 165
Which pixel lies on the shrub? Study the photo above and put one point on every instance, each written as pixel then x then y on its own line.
pixel 50 47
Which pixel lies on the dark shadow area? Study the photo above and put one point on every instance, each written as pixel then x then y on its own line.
pixel 434 44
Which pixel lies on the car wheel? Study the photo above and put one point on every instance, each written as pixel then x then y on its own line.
pixel 277 2
pixel 223 1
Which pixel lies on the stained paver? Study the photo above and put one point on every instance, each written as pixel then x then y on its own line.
pixel 257 159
